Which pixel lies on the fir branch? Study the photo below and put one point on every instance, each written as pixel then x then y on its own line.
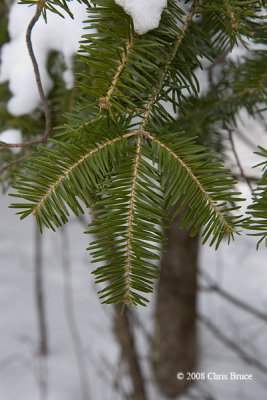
pixel 228 227
pixel 228 22
pixel 165 70
pixel 97 118
pixel 148 108
pixel 130 218
pixel 234 99
pixel 104 101
pixel 133 183
pixel 229 10
pixel 258 209
pixel 76 165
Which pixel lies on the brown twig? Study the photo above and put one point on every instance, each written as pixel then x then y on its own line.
pixel 213 287
pixel 125 336
pixel 218 333
pixel 14 162
pixel 220 60
pixel 16 358
pixel 250 178
pixel 47 110
pixel 242 173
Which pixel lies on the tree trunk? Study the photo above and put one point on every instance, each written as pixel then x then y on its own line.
pixel 125 337
pixel 174 347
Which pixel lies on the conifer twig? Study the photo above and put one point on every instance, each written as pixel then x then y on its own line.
pixel 194 177
pixel 47 110
pixel 82 159
pixel 140 132
pixel 165 70
pixel 234 24
pixel 104 101
pixel 130 219
pixel 14 162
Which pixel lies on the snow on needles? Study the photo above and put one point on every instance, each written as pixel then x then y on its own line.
pixel 58 34
pixel 145 13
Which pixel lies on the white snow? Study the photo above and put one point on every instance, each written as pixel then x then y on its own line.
pixel 11 136
pixel 20 365
pixel 58 34
pixel 238 268
pixel 146 14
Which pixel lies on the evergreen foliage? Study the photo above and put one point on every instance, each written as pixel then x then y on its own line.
pixel 125 156
pixel 258 209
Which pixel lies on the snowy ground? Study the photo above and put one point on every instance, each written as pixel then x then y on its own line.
pixel 239 269
pixel 19 367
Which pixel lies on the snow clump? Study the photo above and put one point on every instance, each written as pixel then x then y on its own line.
pixel 146 14
pixel 61 35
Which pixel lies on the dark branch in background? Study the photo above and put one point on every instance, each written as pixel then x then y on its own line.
pixel 218 333
pixel 39 295
pixel 16 358
pixel 14 162
pixel 233 299
pixel 140 325
pixel 242 173
pixel 71 317
pixel 250 178
pixel 219 60
pixel 125 336
pixel 47 111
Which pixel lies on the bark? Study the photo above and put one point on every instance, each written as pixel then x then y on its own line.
pixel 125 337
pixel 174 345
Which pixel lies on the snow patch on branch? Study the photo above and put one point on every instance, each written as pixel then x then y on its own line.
pixel 146 14
pixel 11 136
pixel 61 35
